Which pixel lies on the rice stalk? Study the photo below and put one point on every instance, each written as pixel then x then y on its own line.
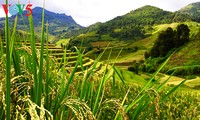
pixel 40 76
pixel 8 67
pixel 118 112
pixel 103 80
pixel 48 79
pixel 137 98
pixel 80 109
pixel 34 60
pixel 32 110
pixel 115 106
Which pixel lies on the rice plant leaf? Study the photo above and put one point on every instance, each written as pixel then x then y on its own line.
pixel 147 84
pixel 117 115
pixel 24 23
pixel 88 93
pixel 155 74
pixel 121 78
pixel 134 102
pixel 1 47
pixel 14 53
pixel 99 57
pixel 163 99
pixel 161 85
pixel 95 63
pixel 34 60
pixel 100 89
pixel 13 36
pixel 80 58
pixel 83 86
pixel 99 92
pixel 8 66
pixel 66 88
pixel 172 90
pixel 148 112
pixel 16 62
pixel 40 77
pixel 139 108
pixel 48 79
pixel 184 67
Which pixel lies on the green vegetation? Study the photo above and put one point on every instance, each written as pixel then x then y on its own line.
pixel 42 81
pixel 8 67
pixel 59 24
pixel 169 39
pixel 175 40
pixel 63 42
pixel 139 28
pixel 192 11
pixel 134 25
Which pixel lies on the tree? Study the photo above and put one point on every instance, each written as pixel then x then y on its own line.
pixel 169 39
pixel 146 55
pixel 197 37
pixel 164 43
pixel 134 68
pixel 182 35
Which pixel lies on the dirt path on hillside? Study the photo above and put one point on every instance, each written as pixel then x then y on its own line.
pixel 174 80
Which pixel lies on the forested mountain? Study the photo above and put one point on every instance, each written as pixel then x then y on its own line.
pixel 135 24
pixel 149 15
pixel 58 23
pixel 192 10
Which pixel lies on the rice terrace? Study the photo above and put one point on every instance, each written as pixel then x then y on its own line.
pixel 143 64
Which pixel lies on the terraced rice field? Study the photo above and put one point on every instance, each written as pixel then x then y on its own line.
pixel 58 54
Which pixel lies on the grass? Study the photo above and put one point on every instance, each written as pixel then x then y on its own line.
pixel 130 77
pixel 188 55
pixel 194 83
pixel 37 87
pixel 193 26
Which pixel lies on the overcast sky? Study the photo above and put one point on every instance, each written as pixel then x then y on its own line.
pixel 87 12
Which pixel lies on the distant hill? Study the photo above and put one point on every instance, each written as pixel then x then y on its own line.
pixel 192 10
pixel 150 15
pixel 58 23
pixel 137 31
pixel 136 24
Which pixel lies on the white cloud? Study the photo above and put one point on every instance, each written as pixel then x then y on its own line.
pixel 86 12
pixel 91 11
pixel 2 13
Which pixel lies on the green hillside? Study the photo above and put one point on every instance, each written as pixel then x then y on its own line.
pixel 106 72
pixel 57 23
pixel 147 43
pixel 192 10
pixel 136 33
pixel 135 24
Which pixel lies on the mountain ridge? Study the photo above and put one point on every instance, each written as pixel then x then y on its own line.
pixel 136 23
pixel 192 10
pixel 137 31
pixel 58 23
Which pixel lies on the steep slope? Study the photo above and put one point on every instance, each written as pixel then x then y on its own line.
pixel 193 10
pixel 149 15
pixel 58 23
pixel 135 25
pixel 138 22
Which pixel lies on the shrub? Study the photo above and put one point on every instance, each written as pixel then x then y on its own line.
pixel 146 55
pixel 134 68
